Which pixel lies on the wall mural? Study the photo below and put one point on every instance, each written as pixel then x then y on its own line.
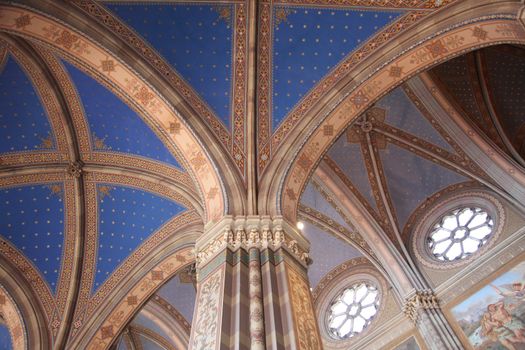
pixel 494 317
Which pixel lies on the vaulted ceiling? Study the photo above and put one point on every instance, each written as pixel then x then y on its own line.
pixel 91 185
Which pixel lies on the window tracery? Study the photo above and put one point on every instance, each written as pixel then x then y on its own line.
pixel 457 228
pixel 460 233
pixel 353 310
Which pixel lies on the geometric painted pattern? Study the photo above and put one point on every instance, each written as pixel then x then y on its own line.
pixel 23 121
pixel 126 218
pixel 32 219
pixel 195 39
pixel 114 126
pixel 309 42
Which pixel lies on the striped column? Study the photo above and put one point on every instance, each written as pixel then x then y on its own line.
pixel 253 291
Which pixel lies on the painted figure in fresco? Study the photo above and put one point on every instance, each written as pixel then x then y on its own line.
pixel 498 324
pixel 515 291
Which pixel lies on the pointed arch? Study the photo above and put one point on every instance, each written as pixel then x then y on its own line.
pixel 123 301
pixel 204 163
pixel 474 24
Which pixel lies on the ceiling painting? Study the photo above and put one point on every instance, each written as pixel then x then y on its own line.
pixel 114 126
pixel 394 157
pixel 181 294
pixel 505 71
pixel 145 321
pixel 197 41
pixel 24 124
pixel 308 50
pixel 346 153
pixel 401 112
pixel 126 218
pixel 32 219
pixel 459 79
pixel 411 179
pixel 309 42
pixel 326 252
pixel 312 198
pixel 149 344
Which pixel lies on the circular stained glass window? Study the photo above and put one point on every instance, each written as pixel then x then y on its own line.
pixel 353 310
pixel 460 233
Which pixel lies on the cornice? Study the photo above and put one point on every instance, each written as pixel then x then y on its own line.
pixel 246 232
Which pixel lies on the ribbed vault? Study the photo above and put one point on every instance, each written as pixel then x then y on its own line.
pixel 128 129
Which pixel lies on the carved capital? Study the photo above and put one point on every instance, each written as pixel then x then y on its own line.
pixel 423 299
pixel 251 232
pixel 74 169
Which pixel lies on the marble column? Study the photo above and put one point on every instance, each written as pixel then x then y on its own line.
pixel 253 290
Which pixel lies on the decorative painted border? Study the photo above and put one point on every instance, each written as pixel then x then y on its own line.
pixel 109 68
pixel 342 176
pixel 234 140
pixel 87 304
pixel 402 4
pixel 53 113
pixel 138 330
pixel 53 307
pixel 127 307
pixel 327 224
pixel 266 145
pixel 440 207
pixel 305 324
pixel 207 315
pixel 239 81
pixel 495 29
pixel 173 312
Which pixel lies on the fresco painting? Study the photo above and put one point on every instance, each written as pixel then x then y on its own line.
pixel 494 317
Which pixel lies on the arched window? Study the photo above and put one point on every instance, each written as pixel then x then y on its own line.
pixel 458 228
pixel 460 233
pixel 353 310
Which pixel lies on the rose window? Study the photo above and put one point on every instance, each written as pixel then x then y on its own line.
pixel 353 310
pixel 460 233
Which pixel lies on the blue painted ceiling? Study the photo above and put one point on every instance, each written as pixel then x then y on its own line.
pixel 326 251
pixel 410 178
pixel 126 218
pixel 312 198
pixel 349 158
pixel 32 219
pixel 414 181
pixel 196 39
pixel 24 125
pixel 181 295
pixel 309 42
pixel 114 126
pixel 403 114
pixel 5 338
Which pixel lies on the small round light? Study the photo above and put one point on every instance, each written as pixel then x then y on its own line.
pixel 300 225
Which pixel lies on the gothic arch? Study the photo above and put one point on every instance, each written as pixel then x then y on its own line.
pixel 473 25
pixel 37 333
pixel 168 258
pixel 205 163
